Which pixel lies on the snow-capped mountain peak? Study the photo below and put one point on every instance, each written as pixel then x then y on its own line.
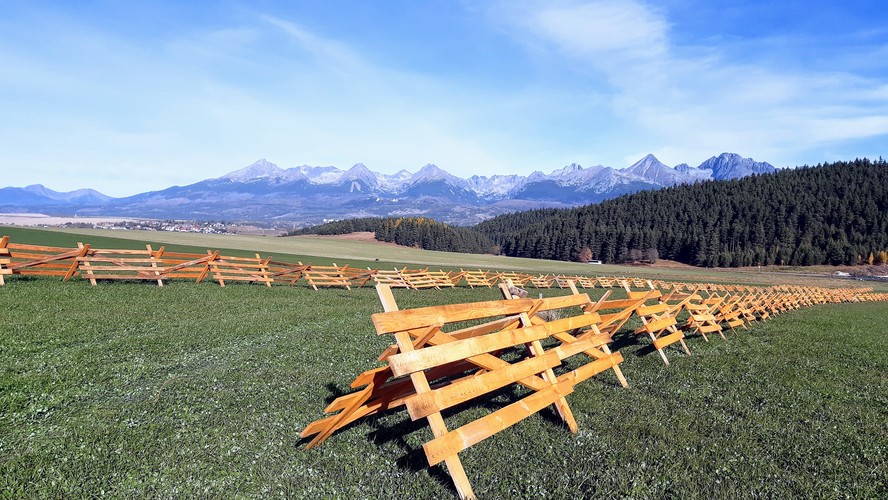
pixel 568 170
pixel 360 172
pixel 646 166
pixel 307 193
pixel 651 169
pixel 495 185
pixel 431 172
pixel 732 166
pixel 262 168
pixel 647 173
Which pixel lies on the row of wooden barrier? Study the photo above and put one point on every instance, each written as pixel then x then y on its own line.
pixel 437 363
pixel 158 266
pixel 430 369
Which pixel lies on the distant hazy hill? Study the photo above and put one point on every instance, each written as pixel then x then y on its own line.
pixel 37 196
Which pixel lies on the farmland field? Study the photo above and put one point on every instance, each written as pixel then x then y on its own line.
pixel 133 390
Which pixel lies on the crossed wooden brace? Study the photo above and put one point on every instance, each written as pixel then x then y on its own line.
pixel 468 362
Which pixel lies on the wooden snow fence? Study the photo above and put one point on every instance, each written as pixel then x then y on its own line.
pixel 358 277
pixel 564 281
pixel 642 283
pixel 605 282
pixel 327 276
pixel 245 269
pixel 666 285
pixel 772 303
pixel 419 279
pixel 777 303
pixel 766 305
pixel 586 306
pixel 455 277
pixel 542 281
pixel 873 297
pixel 253 269
pixel 701 317
pixel 587 281
pixel 443 279
pixel 746 308
pixel 185 266
pixel 615 312
pixel 286 272
pixel 480 278
pixel 517 279
pixel 4 264
pixel 38 260
pixel 120 264
pixel 729 312
pixel 433 367
pixel 391 278
pixel 336 276
pixel 659 321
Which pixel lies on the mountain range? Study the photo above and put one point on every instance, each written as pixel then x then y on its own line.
pixel 264 192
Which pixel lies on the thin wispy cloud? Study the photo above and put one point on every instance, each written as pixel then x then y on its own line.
pixel 144 96
pixel 605 32
pixel 329 52
pixel 696 100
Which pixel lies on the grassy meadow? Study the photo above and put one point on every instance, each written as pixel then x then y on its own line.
pixel 193 390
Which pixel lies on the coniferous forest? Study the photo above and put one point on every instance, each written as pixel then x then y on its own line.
pixel 829 214
pixel 419 232
pixel 833 213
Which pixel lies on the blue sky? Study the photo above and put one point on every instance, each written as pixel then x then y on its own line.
pixel 127 97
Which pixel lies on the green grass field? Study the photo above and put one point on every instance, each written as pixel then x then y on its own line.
pixel 193 390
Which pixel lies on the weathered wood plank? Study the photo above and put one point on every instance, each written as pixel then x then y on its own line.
pixel 668 340
pixel 403 363
pixel 423 405
pixel 591 369
pixel 395 321
pixel 451 443
pixel 652 309
pixel 660 324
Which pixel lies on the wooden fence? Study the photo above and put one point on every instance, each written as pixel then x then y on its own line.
pixel 437 363
pixel 160 266
pixel 433 367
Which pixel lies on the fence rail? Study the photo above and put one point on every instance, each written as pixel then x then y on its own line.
pixel 160 266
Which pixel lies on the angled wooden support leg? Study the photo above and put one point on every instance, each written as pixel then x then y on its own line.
pixel 436 422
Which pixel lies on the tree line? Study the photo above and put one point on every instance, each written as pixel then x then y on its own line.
pixel 833 213
pixel 420 232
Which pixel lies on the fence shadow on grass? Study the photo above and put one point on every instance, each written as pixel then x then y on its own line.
pixel 395 425
pixel 638 345
pixel 336 391
pixel 624 339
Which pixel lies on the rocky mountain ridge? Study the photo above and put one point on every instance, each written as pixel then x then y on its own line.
pixel 307 194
